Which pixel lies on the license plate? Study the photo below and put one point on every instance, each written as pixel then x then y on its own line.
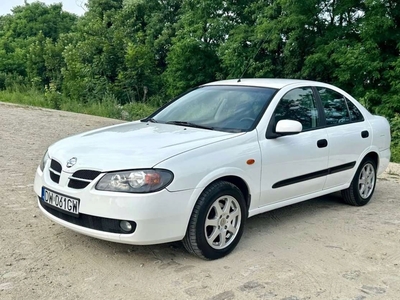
pixel 60 202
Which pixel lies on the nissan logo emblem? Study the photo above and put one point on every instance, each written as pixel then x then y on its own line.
pixel 71 162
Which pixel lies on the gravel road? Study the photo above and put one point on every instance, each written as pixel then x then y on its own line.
pixel 319 249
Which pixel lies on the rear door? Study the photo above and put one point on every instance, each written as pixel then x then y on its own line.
pixel 348 134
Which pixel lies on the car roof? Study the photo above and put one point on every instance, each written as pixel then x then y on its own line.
pixel 275 83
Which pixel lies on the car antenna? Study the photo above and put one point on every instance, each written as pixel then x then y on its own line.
pixel 248 63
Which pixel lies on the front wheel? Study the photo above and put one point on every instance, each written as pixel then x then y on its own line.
pixel 217 221
pixel 362 186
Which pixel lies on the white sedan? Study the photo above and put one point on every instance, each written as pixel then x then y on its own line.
pixel 198 167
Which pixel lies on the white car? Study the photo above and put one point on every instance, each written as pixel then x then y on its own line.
pixel 198 167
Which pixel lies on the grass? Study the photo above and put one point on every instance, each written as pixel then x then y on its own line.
pixel 108 107
pixel 395 149
pixel 29 97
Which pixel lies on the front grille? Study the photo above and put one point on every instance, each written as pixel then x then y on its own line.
pixel 86 174
pixel 55 171
pixel 56 166
pixel 80 179
pixel 88 221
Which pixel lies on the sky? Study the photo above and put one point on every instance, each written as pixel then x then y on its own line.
pixel 72 6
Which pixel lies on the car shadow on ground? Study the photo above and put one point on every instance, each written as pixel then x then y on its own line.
pixel 299 212
pixel 286 216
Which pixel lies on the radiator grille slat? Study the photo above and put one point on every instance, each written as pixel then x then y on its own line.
pixel 55 171
pixel 86 176
pixel 79 180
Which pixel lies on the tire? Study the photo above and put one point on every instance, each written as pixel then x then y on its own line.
pixel 362 186
pixel 217 221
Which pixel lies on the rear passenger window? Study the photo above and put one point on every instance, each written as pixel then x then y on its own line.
pixel 355 114
pixel 335 107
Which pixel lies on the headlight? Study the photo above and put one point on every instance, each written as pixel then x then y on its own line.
pixel 44 161
pixel 135 181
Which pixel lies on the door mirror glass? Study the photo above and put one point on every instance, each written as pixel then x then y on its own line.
pixel 288 127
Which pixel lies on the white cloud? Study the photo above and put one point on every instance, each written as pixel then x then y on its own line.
pixel 73 6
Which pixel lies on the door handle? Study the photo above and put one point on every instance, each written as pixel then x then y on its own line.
pixel 322 143
pixel 364 134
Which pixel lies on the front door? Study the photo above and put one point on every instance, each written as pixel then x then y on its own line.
pixel 294 165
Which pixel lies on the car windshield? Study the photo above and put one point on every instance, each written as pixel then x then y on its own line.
pixel 225 108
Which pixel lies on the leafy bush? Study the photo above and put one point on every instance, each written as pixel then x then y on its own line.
pixel 13 81
pixel 395 128
pixel 52 96
pixel 138 111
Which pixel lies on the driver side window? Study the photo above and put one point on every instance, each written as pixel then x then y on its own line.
pixel 298 105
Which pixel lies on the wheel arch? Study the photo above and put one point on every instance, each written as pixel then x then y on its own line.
pixel 352 194
pixel 374 156
pixel 241 184
pixel 234 176
pixel 371 152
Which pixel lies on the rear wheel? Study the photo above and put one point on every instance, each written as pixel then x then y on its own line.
pixel 362 186
pixel 217 221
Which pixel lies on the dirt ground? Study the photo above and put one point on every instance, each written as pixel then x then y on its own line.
pixel 319 249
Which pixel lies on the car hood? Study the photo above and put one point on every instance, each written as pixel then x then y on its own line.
pixel 131 145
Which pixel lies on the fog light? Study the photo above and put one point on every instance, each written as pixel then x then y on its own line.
pixel 125 226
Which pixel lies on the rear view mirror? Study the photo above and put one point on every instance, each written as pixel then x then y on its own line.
pixel 288 127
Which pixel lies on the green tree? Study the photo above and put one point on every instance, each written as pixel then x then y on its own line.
pixel 94 54
pixel 193 57
pixel 23 36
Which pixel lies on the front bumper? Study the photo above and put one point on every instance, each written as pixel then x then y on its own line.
pixel 159 217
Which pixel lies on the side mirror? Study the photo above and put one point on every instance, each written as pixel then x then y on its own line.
pixel 288 127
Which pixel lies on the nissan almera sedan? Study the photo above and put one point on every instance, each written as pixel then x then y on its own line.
pixel 198 167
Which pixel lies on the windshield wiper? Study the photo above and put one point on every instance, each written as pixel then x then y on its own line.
pixel 152 120
pixel 189 124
